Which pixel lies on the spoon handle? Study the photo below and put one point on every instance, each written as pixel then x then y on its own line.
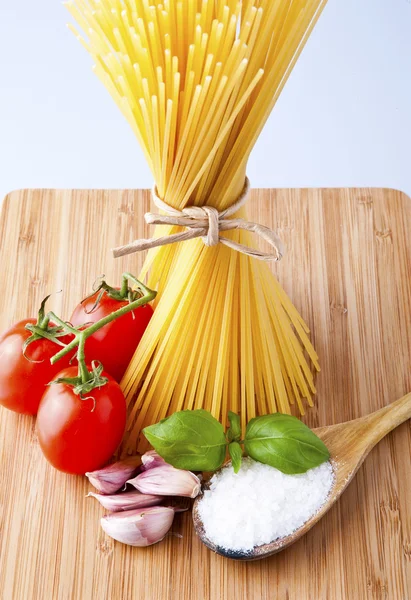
pixel 381 422
pixel 353 440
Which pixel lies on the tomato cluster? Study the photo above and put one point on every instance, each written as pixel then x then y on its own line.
pixel 77 433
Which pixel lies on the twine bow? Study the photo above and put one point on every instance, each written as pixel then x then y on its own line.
pixel 205 222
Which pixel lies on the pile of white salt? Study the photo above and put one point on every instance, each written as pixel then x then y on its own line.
pixel 260 504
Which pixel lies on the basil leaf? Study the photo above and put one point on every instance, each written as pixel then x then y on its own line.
pixel 236 454
pixel 234 432
pixel 284 442
pixel 190 439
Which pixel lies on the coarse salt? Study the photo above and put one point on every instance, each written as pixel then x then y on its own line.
pixel 260 504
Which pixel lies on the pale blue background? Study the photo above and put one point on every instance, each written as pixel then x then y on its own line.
pixel 344 118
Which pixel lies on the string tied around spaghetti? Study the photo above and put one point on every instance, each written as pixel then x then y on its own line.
pixel 213 227
pixel 205 222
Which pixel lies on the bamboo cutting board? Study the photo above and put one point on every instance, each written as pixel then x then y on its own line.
pixel 348 271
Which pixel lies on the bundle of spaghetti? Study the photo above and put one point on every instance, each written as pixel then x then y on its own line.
pixel 197 80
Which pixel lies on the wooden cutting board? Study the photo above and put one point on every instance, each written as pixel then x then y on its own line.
pixel 348 271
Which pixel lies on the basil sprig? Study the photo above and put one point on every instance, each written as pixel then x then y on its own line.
pixel 195 441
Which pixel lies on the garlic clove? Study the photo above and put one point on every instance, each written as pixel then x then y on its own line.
pixel 141 527
pixel 126 501
pixel 167 481
pixel 151 459
pixel 179 509
pixel 112 478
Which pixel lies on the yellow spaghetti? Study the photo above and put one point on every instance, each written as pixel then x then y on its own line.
pixel 197 80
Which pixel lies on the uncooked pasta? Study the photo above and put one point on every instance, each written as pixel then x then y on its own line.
pixel 197 80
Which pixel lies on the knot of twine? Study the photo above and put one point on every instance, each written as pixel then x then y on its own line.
pixel 205 222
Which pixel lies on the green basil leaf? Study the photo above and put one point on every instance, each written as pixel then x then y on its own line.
pixel 284 442
pixel 190 439
pixel 236 454
pixel 234 432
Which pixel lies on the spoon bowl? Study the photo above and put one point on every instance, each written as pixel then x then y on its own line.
pixel 349 444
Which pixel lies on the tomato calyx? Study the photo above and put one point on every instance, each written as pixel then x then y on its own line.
pixel 125 294
pixel 80 387
pixel 43 329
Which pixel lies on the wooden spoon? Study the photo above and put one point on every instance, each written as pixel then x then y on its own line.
pixel 348 443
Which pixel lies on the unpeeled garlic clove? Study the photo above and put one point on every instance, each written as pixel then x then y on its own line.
pixel 112 478
pixel 126 501
pixel 141 527
pixel 167 481
pixel 151 460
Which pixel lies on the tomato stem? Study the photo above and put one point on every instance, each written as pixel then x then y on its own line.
pixel 124 286
pixel 83 372
pixel 45 322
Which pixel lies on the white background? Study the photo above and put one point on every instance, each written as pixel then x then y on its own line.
pixel 344 118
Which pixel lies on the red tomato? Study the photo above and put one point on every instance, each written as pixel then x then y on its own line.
pixel 23 381
pixel 78 435
pixel 115 343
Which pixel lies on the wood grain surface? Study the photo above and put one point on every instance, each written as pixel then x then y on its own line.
pixel 348 271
